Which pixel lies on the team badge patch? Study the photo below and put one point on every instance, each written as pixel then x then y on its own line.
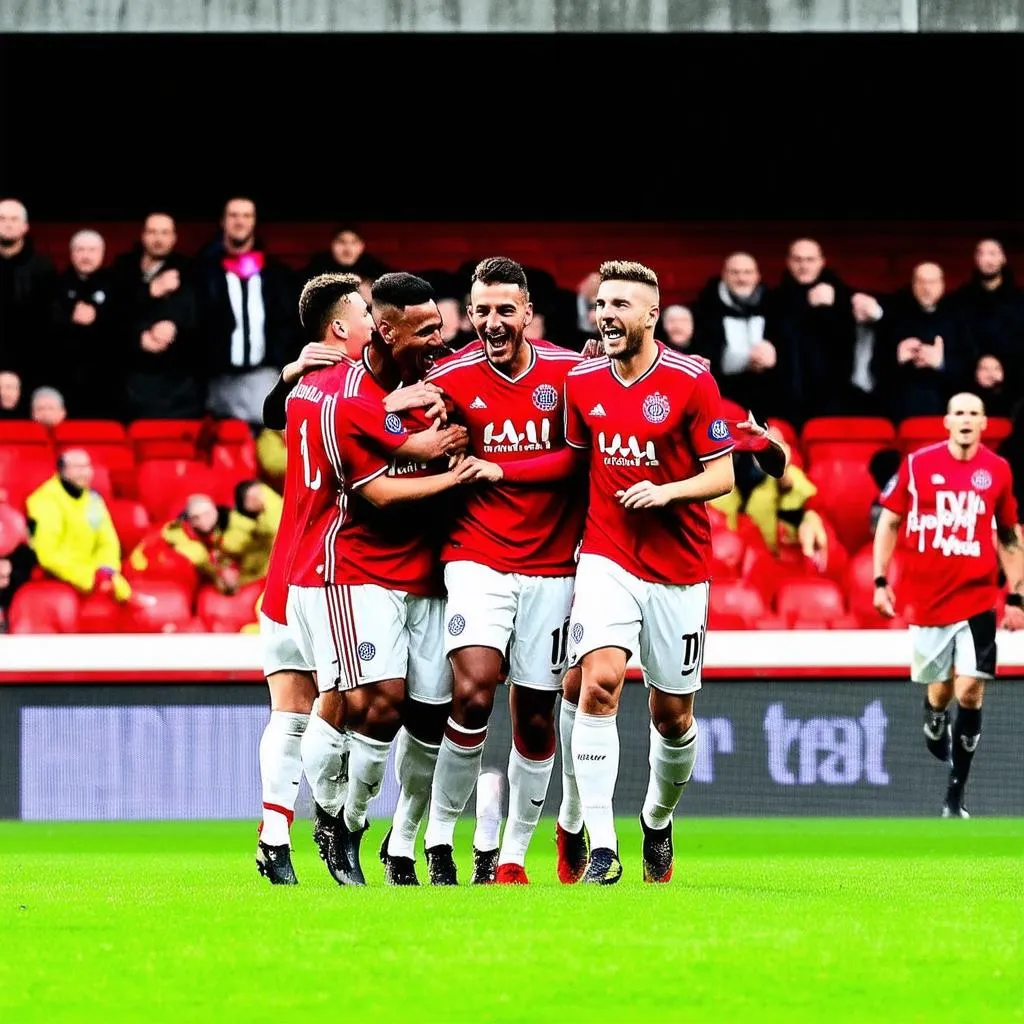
pixel 981 479
pixel 545 397
pixel 366 651
pixel 656 408
pixel 719 430
pixel 456 624
pixel 577 632
pixel 393 423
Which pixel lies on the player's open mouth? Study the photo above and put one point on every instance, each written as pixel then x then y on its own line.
pixel 497 342
pixel 612 333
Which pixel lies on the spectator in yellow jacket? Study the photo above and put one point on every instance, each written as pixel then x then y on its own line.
pixel 71 531
pixel 251 530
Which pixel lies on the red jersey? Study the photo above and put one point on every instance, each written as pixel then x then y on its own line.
pixel 523 527
pixel 275 589
pixel 659 427
pixel 330 420
pixel 949 568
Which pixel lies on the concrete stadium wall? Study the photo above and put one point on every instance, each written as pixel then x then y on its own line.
pixel 512 16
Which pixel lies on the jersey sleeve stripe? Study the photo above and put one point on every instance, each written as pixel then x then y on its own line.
pixel 690 368
pixel 684 361
pixel 589 366
pixel 456 364
pixel 579 447
pixel 717 454
pixel 363 480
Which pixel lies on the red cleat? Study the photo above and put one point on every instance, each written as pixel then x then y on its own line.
pixel 511 874
pixel 573 854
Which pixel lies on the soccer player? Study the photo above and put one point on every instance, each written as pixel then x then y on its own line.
pixel 650 419
pixel 366 570
pixel 941 505
pixel 508 568
pixel 330 313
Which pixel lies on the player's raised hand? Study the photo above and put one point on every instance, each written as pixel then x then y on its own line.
pixel 420 395
pixel 314 356
pixel 644 494
pixel 592 348
pixel 885 601
pixel 472 469
pixel 435 442
pixel 1013 618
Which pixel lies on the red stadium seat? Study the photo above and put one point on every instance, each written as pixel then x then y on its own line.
pixel 13 529
pixel 917 431
pixel 131 521
pixel 165 485
pixel 164 439
pixel 855 438
pixel 101 482
pixel 726 620
pixel 737 597
pixel 33 438
pixel 157 606
pixel 99 613
pixel 46 606
pixel 20 476
pixel 860 586
pixel 810 600
pixel 228 613
pixel 727 551
pixel 846 491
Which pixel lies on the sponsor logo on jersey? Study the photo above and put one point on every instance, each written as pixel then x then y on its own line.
pixel 598 410
pixel 478 403
pixel 951 528
pixel 719 430
pixel 545 397
pixel 656 408
pixel 626 451
pixel 506 437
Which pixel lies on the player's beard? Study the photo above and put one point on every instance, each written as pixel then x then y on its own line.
pixel 631 343
pixel 511 353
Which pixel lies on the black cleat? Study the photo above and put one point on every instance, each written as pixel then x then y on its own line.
pixel 658 856
pixel 346 846
pixel 953 805
pixel 441 866
pixel 485 867
pixel 604 868
pixel 324 830
pixel 397 870
pixel 275 863
pixel 938 734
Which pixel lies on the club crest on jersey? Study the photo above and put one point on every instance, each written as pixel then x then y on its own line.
pixel 366 651
pixel 545 397
pixel 656 408
pixel 981 479
pixel 719 430
pixel 393 423
pixel 456 624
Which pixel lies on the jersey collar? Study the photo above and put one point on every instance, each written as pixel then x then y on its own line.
pixel 529 366
pixel 643 376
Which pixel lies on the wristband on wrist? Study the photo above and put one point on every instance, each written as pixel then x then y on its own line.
pixel 1015 601
pixel 881 581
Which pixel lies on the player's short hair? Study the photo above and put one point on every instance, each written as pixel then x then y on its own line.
pixel 321 296
pixel 628 270
pixel 401 290
pixel 500 270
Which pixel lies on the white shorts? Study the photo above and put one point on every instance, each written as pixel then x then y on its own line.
pixel 357 635
pixel 966 648
pixel 280 651
pixel 665 625
pixel 527 615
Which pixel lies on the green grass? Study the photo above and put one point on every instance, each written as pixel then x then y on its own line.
pixel 817 920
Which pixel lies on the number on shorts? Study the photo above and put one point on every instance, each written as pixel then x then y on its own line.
pixel 314 483
pixel 692 643
pixel 559 646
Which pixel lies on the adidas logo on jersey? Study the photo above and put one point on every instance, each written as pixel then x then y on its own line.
pixel 478 403
pixel 598 410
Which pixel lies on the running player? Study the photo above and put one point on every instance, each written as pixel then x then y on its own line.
pixel 651 420
pixel 508 567
pixel 941 505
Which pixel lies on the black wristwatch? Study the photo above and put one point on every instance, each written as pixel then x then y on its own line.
pixel 881 581
pixel 1015 601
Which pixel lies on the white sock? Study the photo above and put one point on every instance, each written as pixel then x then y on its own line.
pixel 367 761
pixel 280 774
pixel 458 766
pixel 324 753
pixel 570 811
pixel 489 791
pixel 671 767
pixel 595 752
pixel 414 769
pixel 527 787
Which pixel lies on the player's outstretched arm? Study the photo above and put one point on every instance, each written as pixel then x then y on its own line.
pixel 1011 557
pixel 718 478
pixel 383 490
pixel 886 534
pixel 435 443
pixel 541 469
pixel 770 452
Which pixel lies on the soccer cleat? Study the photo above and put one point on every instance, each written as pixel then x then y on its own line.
pixel 441 866
pixel 604 867
pixel 573 851
pixel 511 874
pixel 954 811
pixel 346 846
pixel 324 828
pixel 275 863
pixel 953 805
pixel 397 870
pixel 485 866
pixel 938 734
pixel 658 857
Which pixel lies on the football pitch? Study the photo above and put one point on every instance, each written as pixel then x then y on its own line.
pixel 795 919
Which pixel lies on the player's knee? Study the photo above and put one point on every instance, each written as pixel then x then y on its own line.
pixel 426 721
pixel 331 707
pixel 473 705
pixel 533 721
pixel 292 692
pixel 671 723
pixel 572 684
pixel 970 692
pixel 599 696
